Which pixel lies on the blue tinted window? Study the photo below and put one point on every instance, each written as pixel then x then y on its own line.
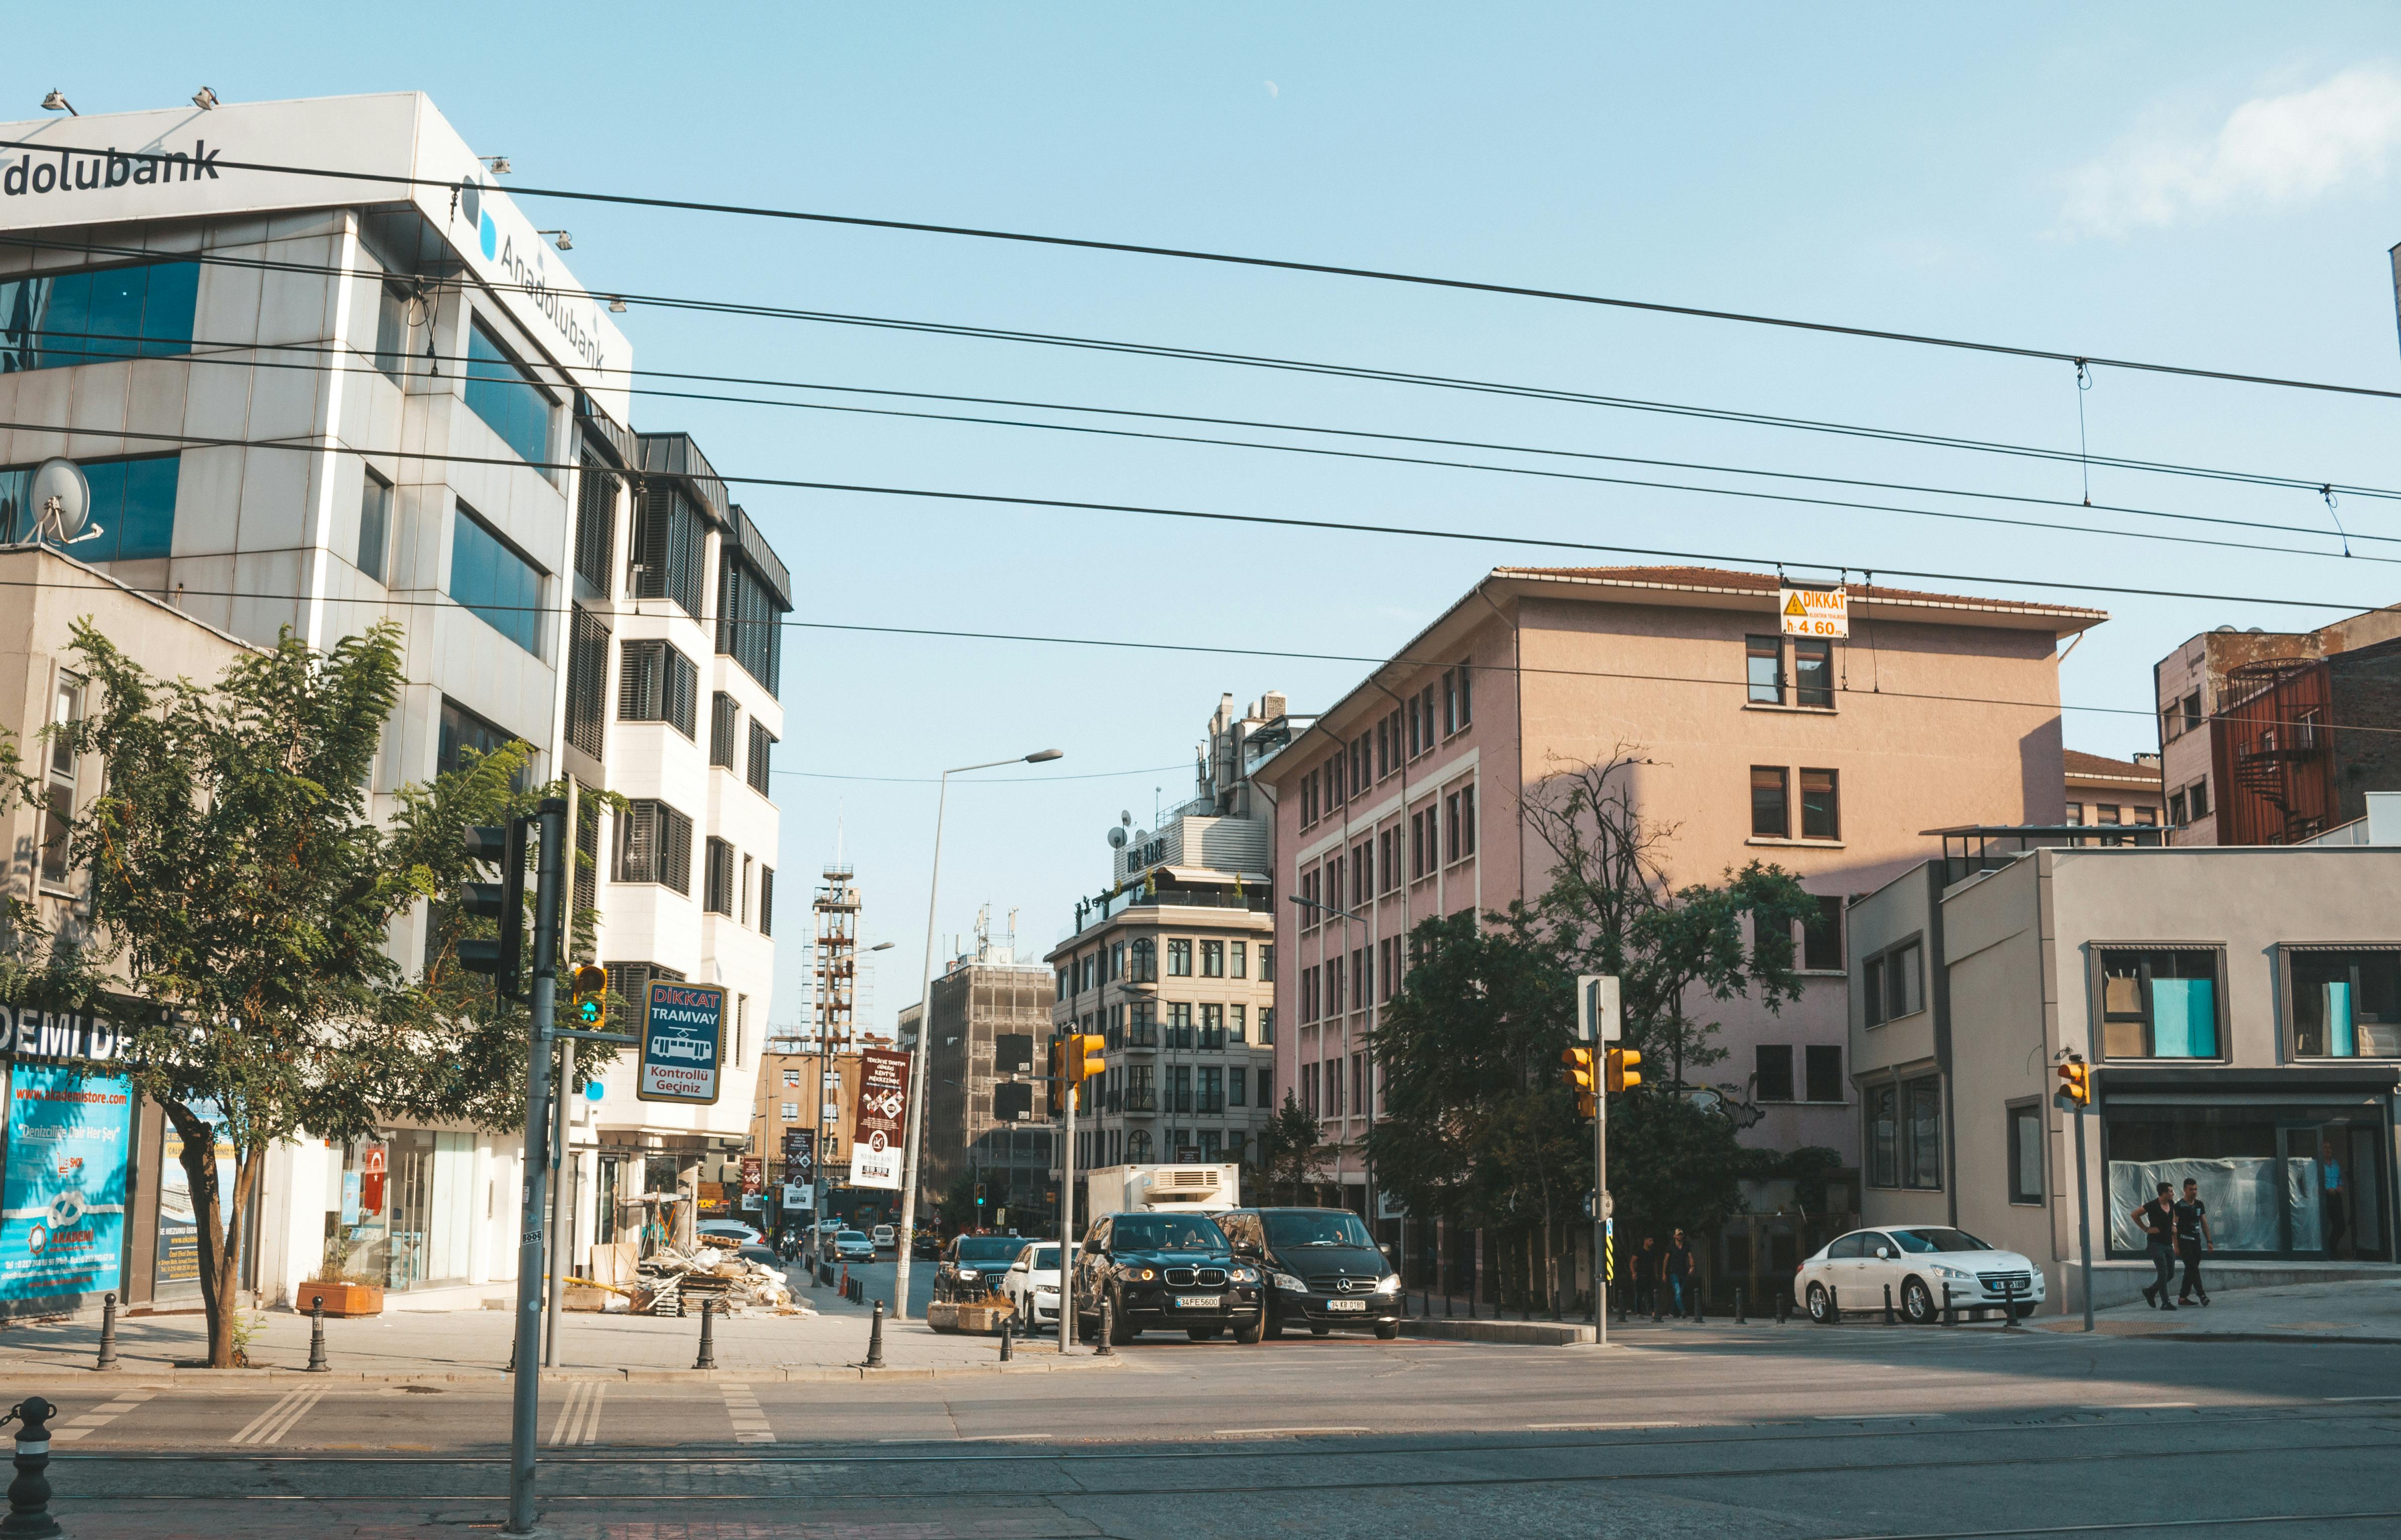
pixel 499 586
pixel 46 322
pixel 499 391
pixel 132 508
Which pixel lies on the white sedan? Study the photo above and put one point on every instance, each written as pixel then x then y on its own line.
pixel 1923 1265
pixel 1032 1285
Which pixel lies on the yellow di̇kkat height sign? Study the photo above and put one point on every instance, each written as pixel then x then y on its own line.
pixel 1813 612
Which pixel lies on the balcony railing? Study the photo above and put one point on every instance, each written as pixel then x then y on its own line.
pixel 1142 1100
pixel 1090 912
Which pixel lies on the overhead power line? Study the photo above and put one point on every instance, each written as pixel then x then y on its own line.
pixel 240 355
pixel 1806 564
pixel 1290 264
pixel 2080 458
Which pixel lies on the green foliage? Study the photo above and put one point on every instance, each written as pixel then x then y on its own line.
pixel 1292 1153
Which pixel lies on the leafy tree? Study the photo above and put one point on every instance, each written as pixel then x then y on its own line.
pixel 240 898
pixel 1291 1149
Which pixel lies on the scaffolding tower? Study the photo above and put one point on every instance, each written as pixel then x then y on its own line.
pixel 834 957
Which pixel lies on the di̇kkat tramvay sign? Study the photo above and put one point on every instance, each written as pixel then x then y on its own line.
pixel 683 1043
pixel 880 1129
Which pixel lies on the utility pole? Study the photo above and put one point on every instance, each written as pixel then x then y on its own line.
pixel 549 819
pixel 560 1093
pixel 2074 1095
pixel 1067 1198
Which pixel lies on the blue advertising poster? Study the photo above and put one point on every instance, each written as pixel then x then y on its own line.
pixel 62 1202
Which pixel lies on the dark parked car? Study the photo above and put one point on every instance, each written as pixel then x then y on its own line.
pixel 1322 1269
pixel 972 1265
pixel 1162 1272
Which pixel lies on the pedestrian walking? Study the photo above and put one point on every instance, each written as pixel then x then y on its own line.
pixel 2333 1198
pixel 1679 1265
pixel 1646 1276
pixel 2192 1238
pixel 2157 1221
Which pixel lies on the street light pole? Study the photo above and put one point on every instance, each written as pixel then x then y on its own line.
pixel 916 1097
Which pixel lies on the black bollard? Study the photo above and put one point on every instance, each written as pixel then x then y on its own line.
pixel 1738 1317
pixel 1950 1317
pixel 317 1364
pixel 708 1358
pixel 1783 1305
pixel 29 1495
pixel 1700 1307
pixel 107 1332
pixel 1888 1305
pixel 2008 1304
pixel 1007 1337
pixel 1108 1330
pixel 875 1339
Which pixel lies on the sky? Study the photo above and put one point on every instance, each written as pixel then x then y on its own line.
pixel 2212 186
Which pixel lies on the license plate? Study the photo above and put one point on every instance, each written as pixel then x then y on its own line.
pixel 1346 1304
pixel 1196 1302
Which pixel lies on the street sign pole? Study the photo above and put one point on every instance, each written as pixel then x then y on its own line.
pixel 525 1401
pixel 1600 1216
pixel 2083 1217
pixel 560 1090
pixel 1067 1209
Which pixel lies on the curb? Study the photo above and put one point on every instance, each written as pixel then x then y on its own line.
pixel 849 1373
pixel 1522 1333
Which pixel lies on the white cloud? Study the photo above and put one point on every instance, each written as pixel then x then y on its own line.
pixel 1272 90
pixel 2270 151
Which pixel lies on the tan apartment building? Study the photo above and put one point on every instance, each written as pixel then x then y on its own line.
pixel 807 1089
pixel 2195 684
pixel 2104 791
pixel 1173 966
pixel 982 1104
pixel 1829 758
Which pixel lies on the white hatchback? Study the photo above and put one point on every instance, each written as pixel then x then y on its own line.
pixel 1925 1267
pixel 1032 1285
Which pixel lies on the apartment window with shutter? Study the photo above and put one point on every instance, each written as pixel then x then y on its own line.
pixel 587 681
pixel 757 765
pixel 1821 806
pixel 59 789
pixel 717 884
pixel 724 715
pixel 1813 673
pixel 629 990
pixel 657 683
pixel 766 900
pixel 587 849
pixel 654 845
pixel 1770 813
pixel 668 546
pixel 596 523
pixel 1466 695
pixel 1763 669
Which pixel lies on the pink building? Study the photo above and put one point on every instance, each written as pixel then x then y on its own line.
pixel 1829 758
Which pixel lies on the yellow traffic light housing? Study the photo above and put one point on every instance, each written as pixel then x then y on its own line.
pixel 1580 1080
pixel 1624 1071
pixel 2076 1082
pixel 1084 1059
pixel 588 995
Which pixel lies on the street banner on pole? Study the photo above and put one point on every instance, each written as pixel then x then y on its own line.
pixel 683 1040
pixel 879 1129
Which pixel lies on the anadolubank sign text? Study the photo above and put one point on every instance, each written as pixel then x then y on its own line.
pixel 182 162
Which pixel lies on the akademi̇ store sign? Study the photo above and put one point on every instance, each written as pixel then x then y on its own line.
pixel 183 162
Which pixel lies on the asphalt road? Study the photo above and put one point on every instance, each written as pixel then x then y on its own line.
pixel 1804 1433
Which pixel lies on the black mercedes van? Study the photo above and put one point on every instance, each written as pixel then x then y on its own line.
pixel 1322 1269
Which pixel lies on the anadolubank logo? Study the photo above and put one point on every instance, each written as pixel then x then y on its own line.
pixel 470 203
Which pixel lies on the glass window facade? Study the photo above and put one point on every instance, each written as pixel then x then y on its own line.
pixel 132 508
pixel 2279 1181
pixel 55 321
pixel 501 392
pixel 496 584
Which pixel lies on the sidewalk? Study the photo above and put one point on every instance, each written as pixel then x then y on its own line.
pixel 2357 1312
pixel 474 1345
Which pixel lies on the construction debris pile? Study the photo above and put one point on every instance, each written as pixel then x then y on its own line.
pixel 670 1281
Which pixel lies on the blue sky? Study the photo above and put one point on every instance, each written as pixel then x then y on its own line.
pixel 2198 183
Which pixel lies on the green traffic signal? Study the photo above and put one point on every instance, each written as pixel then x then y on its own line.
pixel 587 1011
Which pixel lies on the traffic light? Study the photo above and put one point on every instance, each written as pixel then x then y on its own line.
pixel 1579 1081
pixel 2076 1082
pixel 979 1195
pixel 1084 1059
pixel 503 900
pixel 1624 1072
pixel 589 986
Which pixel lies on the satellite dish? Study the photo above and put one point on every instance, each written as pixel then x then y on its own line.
pixel 1117 839
pixel 61 500
pixel 1126 820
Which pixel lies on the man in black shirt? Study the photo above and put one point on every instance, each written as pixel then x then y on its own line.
pixel 2191 1237
pixel 2158 1219
pixel 1679 1266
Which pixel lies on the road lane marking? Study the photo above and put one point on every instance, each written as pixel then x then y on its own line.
pixel 750 1420
pixel 1875 1416
pixel 2363 1397
pixel 1235 1433
pixel 579 1420
pixel 269 1426
pixel 1592 1427
pixel 99 1417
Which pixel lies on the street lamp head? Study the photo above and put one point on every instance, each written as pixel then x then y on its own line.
pixel 205 98
pixel 881 946
pixel 57 102
pixel 1044 755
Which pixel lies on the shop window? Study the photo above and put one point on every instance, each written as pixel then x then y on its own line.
pixel 2159 1004
pixel 1774 1072
pixel 2025 1153
pixel 2279 1180
pixel 2345 1004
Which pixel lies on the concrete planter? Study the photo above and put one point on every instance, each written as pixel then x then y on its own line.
pixel 343 1298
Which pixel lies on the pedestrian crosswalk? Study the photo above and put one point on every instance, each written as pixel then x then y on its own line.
pixel 750 1418
pixel 269 1426
pixel 579 1420
pixel 83 1426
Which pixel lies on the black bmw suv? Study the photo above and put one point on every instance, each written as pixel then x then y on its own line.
pixel 1161 1272
pixel 1320 1267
